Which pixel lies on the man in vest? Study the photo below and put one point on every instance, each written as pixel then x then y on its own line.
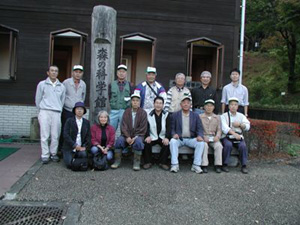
pixel 233 125
pixel 159 131
pixel 49 100
pixel 119 92
pixel 150 89
pixel 176 93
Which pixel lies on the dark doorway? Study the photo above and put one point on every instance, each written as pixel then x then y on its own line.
pixel 205 54
pixel 137 52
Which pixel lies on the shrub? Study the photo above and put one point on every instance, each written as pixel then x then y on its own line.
pixel 271 136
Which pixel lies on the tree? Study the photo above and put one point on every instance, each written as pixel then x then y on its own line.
pixel 266 17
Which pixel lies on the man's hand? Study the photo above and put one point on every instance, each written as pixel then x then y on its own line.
pixel 206 139
pixel 129 140
pixel 237 136
pixel 176 136
pixel 216 139
pixel 236 124
pixel 199 138
pixel 165 141
pixel 148 140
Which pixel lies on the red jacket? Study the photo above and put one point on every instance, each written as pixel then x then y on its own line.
pixel 96 133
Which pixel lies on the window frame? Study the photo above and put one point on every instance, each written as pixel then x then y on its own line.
pixel 13 46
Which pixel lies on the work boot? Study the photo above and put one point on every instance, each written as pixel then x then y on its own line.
pixel 117 162
pixel 136 161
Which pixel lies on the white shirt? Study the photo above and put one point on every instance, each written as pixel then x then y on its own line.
pixel 238 117
pixel 79 125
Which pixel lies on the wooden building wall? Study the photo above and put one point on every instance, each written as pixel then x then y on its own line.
pixel 172 22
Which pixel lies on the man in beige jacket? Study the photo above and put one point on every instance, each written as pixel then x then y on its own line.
pixel 212 133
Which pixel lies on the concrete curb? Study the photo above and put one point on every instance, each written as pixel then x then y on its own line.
pixel 20 184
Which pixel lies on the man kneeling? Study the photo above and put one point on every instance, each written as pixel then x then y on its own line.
pixel 186 130
pixel 133 131
pixel 77 138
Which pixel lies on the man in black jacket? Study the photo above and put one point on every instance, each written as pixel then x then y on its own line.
pixel 159 131
pixel 77 135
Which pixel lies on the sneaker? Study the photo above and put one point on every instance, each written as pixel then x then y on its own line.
pixel 174 168
pixel 196 169
pixel 54 158
pixel 45 160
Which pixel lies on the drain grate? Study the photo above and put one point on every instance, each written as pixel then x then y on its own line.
pixel 33 213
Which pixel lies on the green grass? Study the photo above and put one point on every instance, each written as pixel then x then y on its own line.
pixel 5 152
pixel 294 150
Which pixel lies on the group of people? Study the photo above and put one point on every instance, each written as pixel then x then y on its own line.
pixel 147 116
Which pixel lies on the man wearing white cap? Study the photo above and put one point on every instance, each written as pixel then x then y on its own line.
pixel 150 89
pixel 133 132
pixel 233 125
pixel 119 92
pixel 237 90
pixel 75 92
pixel 212 134
pixel 203 93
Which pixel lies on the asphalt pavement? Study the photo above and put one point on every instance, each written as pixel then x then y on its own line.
pixel 269 194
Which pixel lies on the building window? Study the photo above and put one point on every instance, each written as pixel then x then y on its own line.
pixel 67 48
pixel 8 52
pixel 205 54
pixel 137 52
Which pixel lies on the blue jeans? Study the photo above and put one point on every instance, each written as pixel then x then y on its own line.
pixel 68 156
pixel 95 150
pixel 116 117
pixel 138 144
pixel 175 144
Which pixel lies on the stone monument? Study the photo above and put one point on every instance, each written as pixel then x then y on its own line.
pixel 103 38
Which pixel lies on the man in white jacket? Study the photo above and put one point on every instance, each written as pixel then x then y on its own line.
pixel 233 125
pixel 49 99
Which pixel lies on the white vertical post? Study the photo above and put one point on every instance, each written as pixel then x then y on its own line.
pixel 242 39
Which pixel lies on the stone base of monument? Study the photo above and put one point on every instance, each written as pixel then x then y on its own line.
pixel 184 150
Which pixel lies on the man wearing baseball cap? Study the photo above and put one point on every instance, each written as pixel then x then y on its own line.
pixel 150 89
pixel 186 130
pixel 233 126
pixel 119 92
pixel 212 134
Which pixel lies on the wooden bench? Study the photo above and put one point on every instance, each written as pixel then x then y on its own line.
pixel 184 150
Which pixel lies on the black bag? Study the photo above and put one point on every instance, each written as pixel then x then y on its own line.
pixel 79 164
pixel 100 162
